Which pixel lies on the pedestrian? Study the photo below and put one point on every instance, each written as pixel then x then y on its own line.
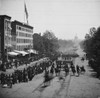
pixel 66 69
pixel 56 71
pixel 73 69
pixel 2 78
pixel 52 70
pixel 78 70
pixel 9 81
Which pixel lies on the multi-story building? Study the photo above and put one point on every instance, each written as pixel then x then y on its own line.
pixel 22 36
pixel 14 35
pixel 5 35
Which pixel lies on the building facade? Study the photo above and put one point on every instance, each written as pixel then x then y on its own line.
pixel 5 35
pixel 14 35
pixel 22 36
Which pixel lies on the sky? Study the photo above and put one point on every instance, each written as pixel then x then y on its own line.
pixel 65 18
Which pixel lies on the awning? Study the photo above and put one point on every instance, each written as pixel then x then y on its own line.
pixel 13 53
pixel 22 52
pixel 32 51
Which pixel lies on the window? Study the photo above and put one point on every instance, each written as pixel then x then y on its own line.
pixel 19 28
pixel 17 48
pixel 16 33
pixel 22 28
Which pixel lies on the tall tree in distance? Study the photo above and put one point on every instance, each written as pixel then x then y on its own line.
pixel 92 49
pixel 88 43
pixel 50 43
pixel 38 42
pixel 49 35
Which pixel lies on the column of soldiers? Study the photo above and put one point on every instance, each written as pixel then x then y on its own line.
pixel 24 75
pixel 61 65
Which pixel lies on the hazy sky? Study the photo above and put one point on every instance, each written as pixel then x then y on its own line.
pixel 65 18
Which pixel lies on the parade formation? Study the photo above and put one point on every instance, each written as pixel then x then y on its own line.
pixel 49 68
pixel 49 49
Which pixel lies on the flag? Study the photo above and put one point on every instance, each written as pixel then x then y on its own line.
pixel 26 12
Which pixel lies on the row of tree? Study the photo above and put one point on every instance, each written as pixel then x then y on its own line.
pixel 46 44
pixel 49 45
pixel 91 46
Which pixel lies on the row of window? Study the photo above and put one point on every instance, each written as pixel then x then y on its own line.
pixel 24 34
pixel 7 32
pixel 24 29
pixel 24 40
pixel 22 47
pixel 7 25
pixel 13 38
pixel 7 39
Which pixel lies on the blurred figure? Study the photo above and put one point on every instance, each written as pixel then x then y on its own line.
pixel 73 69
pixel 83 69
pixel 78 70
pixel 46 77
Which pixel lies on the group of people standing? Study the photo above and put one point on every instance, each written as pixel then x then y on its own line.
pixel 24 75
pixel 18 61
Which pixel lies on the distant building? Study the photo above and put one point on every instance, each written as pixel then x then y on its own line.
pixel 5 35
pixel 76 41
pixel 22 36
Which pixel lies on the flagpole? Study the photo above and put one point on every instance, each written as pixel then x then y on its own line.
pixel 24 11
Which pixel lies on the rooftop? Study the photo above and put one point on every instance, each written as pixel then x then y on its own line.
pixel 22 24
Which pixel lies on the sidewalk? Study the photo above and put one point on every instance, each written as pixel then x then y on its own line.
pixel 22 90
pixel 84 86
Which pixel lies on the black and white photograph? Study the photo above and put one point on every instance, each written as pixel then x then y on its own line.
pixel 49 48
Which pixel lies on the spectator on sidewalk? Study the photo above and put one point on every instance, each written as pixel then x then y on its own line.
pixel 78 70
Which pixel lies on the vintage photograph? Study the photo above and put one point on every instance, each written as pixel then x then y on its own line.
pixel 49 48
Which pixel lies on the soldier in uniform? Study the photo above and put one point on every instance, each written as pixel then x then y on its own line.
pixel 66 69
pixel 73 69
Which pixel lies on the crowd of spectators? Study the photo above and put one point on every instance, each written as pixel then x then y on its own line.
pixel 16 62
pixel 25 74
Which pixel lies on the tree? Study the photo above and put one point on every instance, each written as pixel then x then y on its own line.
pixel 49 35
pixel 38 42
pixel 92 49
pixel 50 43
